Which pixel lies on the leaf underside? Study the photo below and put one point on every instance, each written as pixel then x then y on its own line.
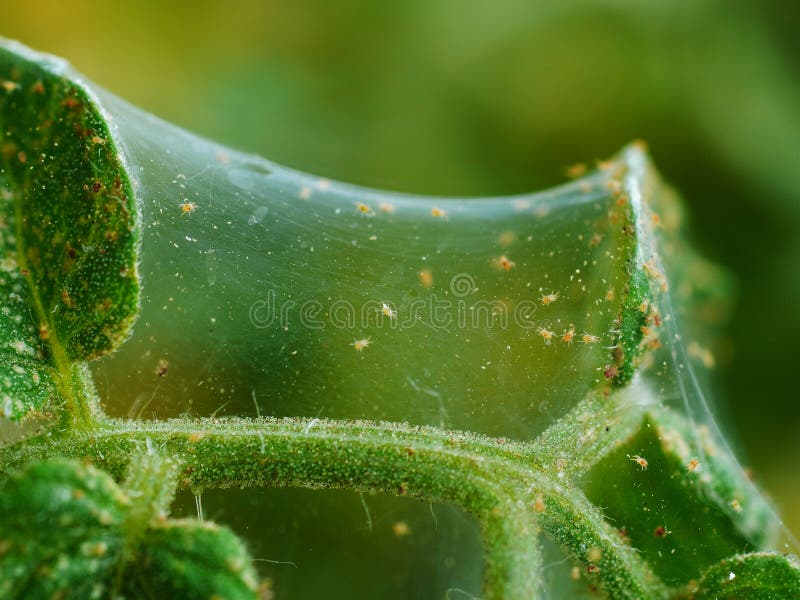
pixel 68 232
pixel 757 576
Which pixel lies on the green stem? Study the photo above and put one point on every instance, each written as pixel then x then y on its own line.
pixel 511 497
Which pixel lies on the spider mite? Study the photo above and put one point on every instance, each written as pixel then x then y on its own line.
pixel 588 338
pixel 610 372
pixel 359 345
pixel 364 209
pixel 547 299
pixel 388 310
pixel 639 460
pixel 568 336
pixel 546 334
pixel 504 263
pixel 438 212
pixel 187 207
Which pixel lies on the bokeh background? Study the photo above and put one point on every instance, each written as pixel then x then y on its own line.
pixel 454 97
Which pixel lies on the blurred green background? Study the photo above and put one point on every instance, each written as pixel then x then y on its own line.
pixel 454 97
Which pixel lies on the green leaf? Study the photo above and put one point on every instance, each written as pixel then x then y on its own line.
pixel 68 233
pixel 756 576
pixel 687 506
pixel 69 531
pixel 191 559
pixel 60 531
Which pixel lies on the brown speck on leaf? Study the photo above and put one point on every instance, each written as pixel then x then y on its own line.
pixel 71 102
pixel 163 367
pixel 22 157
pixel 38 88
pixel 618 354
pixel 67 299
pixel 44 332
pixel 402 489
pixel 606 165
pixel 610 372
pixel 575 171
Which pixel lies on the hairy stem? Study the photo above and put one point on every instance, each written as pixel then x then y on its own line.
pixel 496 481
